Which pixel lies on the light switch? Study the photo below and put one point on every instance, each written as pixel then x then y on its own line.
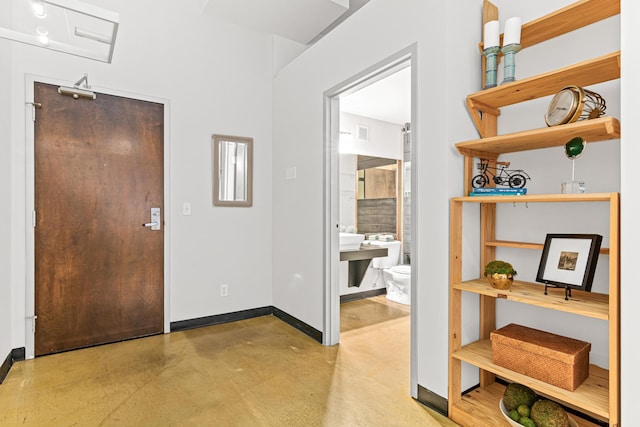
pixel 290 173
pixel 186 208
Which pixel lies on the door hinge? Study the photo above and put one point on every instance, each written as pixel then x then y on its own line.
pixel 33 218
pixel 34 105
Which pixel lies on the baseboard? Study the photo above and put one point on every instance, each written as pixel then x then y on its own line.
pixel 433 400
pixel 218 319
pixel 298 324
pixel 362 295
pixel 16 354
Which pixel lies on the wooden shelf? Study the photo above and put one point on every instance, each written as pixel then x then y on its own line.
pixel 591 397
pixel 594 130
pixel 587 304
pixel 527 245
pixel 540 198
pixel 479 407
pixel 586 73
pixel 563 21
pixel 570 18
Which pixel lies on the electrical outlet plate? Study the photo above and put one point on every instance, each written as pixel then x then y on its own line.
pixel 224 290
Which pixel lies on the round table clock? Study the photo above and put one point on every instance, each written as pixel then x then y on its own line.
pixel 573 103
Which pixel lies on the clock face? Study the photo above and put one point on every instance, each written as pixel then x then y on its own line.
pixel 561 108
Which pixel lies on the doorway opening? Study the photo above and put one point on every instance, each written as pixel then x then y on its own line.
pixel 368 185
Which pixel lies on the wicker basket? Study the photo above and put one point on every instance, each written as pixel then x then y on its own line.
pixel 554 359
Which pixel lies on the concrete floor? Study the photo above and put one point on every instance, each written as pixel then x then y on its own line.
pixel 256 372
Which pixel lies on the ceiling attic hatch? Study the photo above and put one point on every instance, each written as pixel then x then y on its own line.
pixel 302 21
pixel 68 26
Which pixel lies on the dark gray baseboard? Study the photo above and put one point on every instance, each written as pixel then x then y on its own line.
pixel 218 319
pixel 16 354
pixel 298 324
pixel 433 400
pixel 362 295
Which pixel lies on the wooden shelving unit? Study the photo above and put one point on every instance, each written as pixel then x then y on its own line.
pixel 596 130
pixel 599 396
pixel 586 73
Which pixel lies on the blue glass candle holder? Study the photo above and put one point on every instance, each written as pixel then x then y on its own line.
pixel 509 51
pixel 491 67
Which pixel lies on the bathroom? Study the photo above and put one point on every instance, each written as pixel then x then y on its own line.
pixel 375 193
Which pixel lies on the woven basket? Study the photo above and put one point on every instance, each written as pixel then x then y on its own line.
pixel 554 359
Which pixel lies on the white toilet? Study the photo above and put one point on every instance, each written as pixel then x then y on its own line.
pixel 396 277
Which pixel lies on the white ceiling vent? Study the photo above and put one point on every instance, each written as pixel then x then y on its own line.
pixel 362 133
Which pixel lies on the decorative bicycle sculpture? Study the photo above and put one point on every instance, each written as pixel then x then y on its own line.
pixel 500 175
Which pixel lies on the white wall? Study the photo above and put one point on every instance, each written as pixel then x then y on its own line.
pixel 217 78
pixel 380 29
pixel 5 190
pixel 348 190
pixel 630 176
pixel 385 138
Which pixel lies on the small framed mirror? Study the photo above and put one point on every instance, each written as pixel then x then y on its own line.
pixel 232 170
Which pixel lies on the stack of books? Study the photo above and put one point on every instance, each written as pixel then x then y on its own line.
pixel 499 191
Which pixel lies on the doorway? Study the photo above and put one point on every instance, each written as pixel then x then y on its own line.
pixel 99 270
pixel 404 60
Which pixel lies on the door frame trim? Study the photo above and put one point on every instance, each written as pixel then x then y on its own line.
pixel 30 79
pixel 331 254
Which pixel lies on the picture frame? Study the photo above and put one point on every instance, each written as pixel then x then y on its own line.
pixel 569 261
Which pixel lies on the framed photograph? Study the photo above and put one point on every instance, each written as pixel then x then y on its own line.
pixel 569 261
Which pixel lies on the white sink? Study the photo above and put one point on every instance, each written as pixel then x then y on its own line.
pixel 350 241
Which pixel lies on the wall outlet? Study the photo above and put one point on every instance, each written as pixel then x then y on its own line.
pixel 224 290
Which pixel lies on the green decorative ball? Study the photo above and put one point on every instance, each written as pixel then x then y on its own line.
pixel 574 148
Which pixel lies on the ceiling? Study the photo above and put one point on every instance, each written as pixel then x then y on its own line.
pixel 77 28
pixel 388 99
pixel 303 21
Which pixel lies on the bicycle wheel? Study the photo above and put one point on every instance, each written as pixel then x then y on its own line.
pixel 517 180
pixel 479 181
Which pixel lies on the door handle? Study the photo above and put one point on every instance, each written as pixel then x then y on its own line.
pixel 155 220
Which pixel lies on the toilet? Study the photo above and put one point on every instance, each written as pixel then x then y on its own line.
pixel 399 283
pixel 397 277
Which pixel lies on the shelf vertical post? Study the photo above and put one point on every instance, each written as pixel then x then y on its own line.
pixel 489 13
pixel 487 304
pixel 455 302
pixel 614 314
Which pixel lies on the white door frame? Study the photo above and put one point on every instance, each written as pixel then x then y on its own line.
pixel 30 321
pixel 394 63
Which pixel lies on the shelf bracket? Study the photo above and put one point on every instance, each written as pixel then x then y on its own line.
pixel 485 118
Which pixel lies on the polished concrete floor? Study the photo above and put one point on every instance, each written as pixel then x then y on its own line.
pixel 257 372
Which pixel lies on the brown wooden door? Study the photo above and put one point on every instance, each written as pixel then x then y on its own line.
pixel 98 172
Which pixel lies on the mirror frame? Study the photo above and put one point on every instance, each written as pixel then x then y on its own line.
pixel 216 140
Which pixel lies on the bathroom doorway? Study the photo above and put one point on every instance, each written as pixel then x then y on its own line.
pixel 367 171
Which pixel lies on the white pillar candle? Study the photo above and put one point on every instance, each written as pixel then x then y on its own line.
pixel 491 34
pixel 512 31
